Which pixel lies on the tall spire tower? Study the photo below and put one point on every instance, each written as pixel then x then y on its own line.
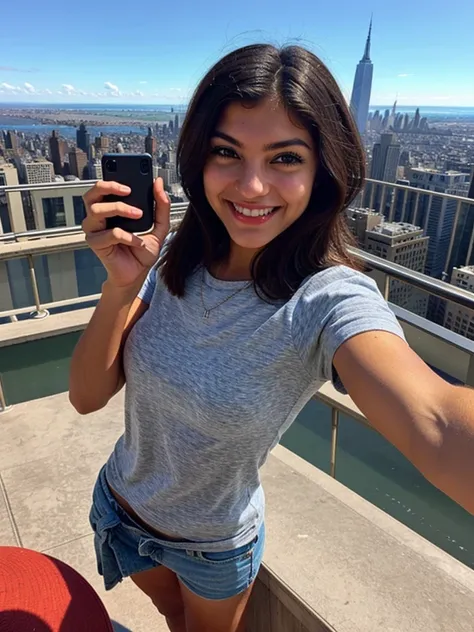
pixel 363 86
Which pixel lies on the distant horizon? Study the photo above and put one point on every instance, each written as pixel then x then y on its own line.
pixel 182 105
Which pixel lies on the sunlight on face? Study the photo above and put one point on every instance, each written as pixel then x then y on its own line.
pixel 260 172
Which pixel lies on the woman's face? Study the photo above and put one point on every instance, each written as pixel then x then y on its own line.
pixel 260 172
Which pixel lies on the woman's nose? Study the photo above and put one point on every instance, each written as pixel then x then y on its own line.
pixel 252 183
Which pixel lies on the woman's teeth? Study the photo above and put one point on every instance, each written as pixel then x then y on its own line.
pixel 255 212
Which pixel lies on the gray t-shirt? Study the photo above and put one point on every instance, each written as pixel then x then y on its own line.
pixel 208 398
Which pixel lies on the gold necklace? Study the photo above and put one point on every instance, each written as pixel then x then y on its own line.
pixel 208 310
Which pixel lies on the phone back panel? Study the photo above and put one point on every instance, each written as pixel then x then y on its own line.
pixel 136 171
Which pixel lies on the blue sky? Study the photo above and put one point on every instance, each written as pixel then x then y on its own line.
pixel 128 52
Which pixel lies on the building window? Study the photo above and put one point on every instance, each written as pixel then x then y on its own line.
pixel 79 209
pixel 54 214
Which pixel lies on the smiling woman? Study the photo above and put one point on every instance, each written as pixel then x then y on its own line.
pixel 266 129
pixel 216 370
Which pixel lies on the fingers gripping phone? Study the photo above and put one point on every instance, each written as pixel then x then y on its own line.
pixel 136 171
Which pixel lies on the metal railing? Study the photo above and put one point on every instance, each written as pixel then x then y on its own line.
pixel 3 402
pixel 432 286
pixel 421 281
pixel 70 238
pixel 380 191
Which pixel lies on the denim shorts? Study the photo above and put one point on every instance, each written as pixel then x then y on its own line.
pixel 123 548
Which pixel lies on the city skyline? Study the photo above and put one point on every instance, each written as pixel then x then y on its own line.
pixel 423 62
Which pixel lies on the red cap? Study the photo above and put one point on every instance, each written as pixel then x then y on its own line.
pixel 40 593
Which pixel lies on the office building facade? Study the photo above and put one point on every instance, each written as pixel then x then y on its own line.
pixel 398 242
pixel 460 319
pixel 38 171
pixel 102 143
pixel 78 163
pixel 436 215
pixel 12 218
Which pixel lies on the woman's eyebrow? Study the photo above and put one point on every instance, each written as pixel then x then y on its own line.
pixel 281 144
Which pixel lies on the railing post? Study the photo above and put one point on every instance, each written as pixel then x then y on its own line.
pixel 416 211
pixel 386 287
pixel 372 194
pixel 3 402
pixel 470 372
pixel 39 313
pixel 334 433
pixel 453 235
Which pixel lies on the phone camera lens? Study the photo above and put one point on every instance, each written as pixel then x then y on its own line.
pixel 144 167
pixel 111 165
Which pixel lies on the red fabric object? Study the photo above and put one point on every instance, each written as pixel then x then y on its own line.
pixel 41 594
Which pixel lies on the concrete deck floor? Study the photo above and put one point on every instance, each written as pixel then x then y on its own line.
pixel 348 562
pixel 49 459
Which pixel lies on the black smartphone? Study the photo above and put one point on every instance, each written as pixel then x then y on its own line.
pixel 136 171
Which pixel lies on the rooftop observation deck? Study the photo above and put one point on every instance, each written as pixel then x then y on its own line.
pixel 333 560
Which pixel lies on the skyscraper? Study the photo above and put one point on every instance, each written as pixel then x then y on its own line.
pixel 385 158
pixel 78 163
pixel 384 166
pixel 362 87
pixel 11 141
pixel 102 143
pixel 58 150
pixel 83 138
pixel 416 120
pixel 150 143
pixel 176 124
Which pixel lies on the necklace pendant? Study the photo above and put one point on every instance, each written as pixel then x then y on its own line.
pixel 207 313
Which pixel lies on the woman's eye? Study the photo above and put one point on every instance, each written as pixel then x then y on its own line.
pixel 288 159
pixel 224 152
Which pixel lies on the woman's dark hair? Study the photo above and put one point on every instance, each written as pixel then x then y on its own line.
pixel 319 237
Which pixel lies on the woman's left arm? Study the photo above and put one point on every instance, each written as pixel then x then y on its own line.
pixel 430 421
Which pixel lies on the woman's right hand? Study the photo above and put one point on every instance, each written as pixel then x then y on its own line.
pixel 126 257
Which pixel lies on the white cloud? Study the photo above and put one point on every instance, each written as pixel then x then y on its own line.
pixel 143 82
pixel 68 89
pixel 29 88
pixel 9 87
pixel 405 74
pixel 112 88
pixel 47 91
pixel 138 93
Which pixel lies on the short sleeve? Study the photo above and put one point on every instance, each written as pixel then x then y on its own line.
pixel 148 287
pixel 335 305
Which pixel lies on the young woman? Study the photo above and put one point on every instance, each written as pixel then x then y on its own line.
pixel 253 303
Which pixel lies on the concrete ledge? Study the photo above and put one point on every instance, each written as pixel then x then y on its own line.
pixel 35 329
pixel 349 565
pixel 42 245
